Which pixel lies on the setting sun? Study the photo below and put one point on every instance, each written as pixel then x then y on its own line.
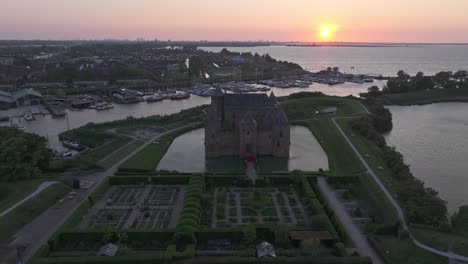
pixel 327 31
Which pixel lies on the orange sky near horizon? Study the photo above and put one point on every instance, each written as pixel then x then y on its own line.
pixel 275 20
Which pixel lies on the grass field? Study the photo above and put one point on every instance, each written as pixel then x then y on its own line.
pixel 396 251
pixel 13 192
pixel 25 213
pixel 371 153
pixel 306 108
pixel 148 158
pixel 429 97
pixel 89 158
pixel 341 158
pixel 442 241
pixel 120 154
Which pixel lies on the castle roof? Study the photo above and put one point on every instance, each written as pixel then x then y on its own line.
pixel 281 117
pixel 247 100
pixel 218 92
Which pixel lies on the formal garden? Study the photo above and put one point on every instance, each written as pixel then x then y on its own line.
pixel 162 218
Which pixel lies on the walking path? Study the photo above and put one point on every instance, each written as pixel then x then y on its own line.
pixel 37 232
pixel 354 232
pixel 251 173
pixel 39 189
pixel 395 204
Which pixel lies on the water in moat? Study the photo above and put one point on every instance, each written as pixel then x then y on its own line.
pixel 187 154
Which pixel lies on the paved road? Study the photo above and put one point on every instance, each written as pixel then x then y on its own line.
pixel 39 189
pixel 395 204
pixel 41 228
pixel 359 239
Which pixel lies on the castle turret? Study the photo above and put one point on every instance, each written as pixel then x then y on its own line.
pixel 217 102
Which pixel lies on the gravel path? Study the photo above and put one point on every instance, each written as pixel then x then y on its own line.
pixel 355 233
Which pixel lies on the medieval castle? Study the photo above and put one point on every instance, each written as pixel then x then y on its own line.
pixel 246 125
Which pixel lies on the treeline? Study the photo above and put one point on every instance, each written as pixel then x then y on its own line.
pixel 404 83
pixel 22 155
pixel 422 205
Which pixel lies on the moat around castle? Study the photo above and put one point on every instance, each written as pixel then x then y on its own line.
pixel 187 154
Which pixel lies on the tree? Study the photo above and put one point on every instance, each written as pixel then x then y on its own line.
pixel 442 78
pixel 22 155
pixel 402 75
pixel 461 74
pixel 250 233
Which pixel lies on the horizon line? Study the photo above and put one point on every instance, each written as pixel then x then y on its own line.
pixel 237 41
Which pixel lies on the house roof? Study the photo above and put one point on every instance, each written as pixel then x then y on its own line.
pixel 108 250
pixel 265 249
pixel 302 235
pixel 247 100
pixel 24 92
pixel 6 97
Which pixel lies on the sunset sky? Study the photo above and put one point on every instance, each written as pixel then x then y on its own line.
pixel 278 20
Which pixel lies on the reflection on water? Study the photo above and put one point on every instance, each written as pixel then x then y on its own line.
pixel 187 154
pixel 435 146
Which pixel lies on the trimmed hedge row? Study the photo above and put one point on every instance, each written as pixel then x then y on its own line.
pixel 155 180
pixel 191 213
pixel 134 259
pixel 341 231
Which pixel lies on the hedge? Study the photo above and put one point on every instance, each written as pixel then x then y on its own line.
pixel 134 259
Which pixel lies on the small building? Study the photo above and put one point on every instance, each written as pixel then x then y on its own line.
pixel 298 236
pixel 27 97
pixel 6 101
pixel 108 250
pixel 265 249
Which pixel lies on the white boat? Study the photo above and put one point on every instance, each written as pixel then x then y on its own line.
pixel 28 117
pixel 104 106
pixel 66 154
pixel 153 98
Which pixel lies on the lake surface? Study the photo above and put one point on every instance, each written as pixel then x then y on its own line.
pixel 434 141
pixel 187 154
pixel 386 61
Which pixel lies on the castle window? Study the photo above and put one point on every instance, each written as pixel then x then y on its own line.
pixel 281 134
pixel 278 144
pixel 248 132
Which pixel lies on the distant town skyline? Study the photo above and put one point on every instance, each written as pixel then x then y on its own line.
pixel 220 20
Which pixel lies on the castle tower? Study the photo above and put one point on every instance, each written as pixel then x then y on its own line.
pixel 248 137
pixel 217 103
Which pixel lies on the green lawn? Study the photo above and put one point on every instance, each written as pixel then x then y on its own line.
pixel 90 158
pixel 306 108
pixel 429 97
pixel 25 213
pixel 341 158
pixel 442 240
pixel 371 153
pixel 405 252
pixel 120 154
pixel 148 158
pixel 13 192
